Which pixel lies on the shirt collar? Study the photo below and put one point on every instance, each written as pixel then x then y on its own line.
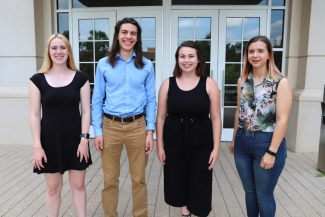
pixel 266 78
pixel 119 56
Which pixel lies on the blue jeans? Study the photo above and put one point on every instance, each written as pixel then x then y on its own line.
pixel 258 183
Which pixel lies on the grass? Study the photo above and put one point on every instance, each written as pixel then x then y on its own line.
pixel 320 175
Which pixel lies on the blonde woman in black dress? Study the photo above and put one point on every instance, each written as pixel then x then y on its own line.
pixel 189 132
pixel 60 132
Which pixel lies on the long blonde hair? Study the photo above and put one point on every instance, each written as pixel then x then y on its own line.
pixel 47 63
pixel 271 67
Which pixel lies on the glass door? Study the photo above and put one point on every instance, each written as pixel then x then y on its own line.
pixel 198 26
pixel 92 37
pixel 152 42
pixel 236 28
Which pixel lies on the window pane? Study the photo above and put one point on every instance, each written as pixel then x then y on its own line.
pixel 278 2
pixel 251 27
pixel 277 20
pixel 219 2
pixel 101 49
pixel 62 4
pixel 186 28
pixel 230 97
pixel 86 29
pixel 207 69
pixel 278 59
pixel 101 29
pixel 233 52
pixel 120 3
pixel 234 28
pixel 149 49
pixel 202 28
pixel 88 68
pixel 205 48
pixel 228 117
pixel 232 73
pixel 86 53
pixel 63 24
pixel 148 26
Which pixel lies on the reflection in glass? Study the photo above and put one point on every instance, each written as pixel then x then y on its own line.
pixel 62 4
pixel 228 117
pixel 101 49
pixel 219 2
pixel 86 53
pixel 206 48
pixel 63 24
pixel 149 49
pixel 120 3
pixel 86 29
pixel 278 59
pixel 232 73
pixel 148 26
pixel 101 29
pixel 186 28
pixel 233 52
pixel 207 69
pixel 230 96
pixel 202 28
pixel 251 27
pixel 88 68
pixel 276 36
pixel 234 29
pixel 278 2
pixel 180 42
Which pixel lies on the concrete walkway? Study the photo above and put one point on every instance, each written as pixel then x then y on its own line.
pixel 22 193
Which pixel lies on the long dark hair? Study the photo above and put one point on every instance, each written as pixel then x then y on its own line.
pixel 200 66
pixel 271 67
pixel 116 46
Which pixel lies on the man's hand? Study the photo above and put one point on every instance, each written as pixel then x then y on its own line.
pixel 149 142
pixel 99 143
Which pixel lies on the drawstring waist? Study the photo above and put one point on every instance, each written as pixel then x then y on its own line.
pixel 186 122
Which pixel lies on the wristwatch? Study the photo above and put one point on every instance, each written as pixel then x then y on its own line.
pixel 86 135
pixel 271 153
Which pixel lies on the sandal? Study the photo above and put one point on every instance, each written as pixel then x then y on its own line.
pixel 189 215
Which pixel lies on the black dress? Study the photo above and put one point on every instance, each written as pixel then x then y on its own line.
pixel 188 142
pixel 61 124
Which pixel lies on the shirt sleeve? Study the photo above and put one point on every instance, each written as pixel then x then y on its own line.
pixel 97 101
pixel 151 104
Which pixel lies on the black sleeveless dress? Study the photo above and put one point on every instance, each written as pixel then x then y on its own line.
pixel 188 142
pixel 61 124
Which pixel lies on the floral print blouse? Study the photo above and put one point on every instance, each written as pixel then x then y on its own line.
pixel 257 104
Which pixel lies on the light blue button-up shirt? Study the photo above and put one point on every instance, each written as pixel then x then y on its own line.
pixel 129 91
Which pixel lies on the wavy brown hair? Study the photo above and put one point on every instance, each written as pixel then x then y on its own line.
pixel 48 63
pixel 271 67
pixel 116 46
pixel 200 66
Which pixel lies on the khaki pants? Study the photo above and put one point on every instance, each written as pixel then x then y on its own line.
pixel 133 135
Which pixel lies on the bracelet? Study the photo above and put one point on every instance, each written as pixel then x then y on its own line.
pixel 150 130
pixel 86 135
pixel 271 153
pixel 83 140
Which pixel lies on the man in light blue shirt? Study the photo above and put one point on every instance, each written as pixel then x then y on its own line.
pixel 127 116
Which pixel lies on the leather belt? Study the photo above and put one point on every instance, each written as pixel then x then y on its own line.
pixel 123 119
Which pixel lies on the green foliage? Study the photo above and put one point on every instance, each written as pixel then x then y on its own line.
pixel 320 175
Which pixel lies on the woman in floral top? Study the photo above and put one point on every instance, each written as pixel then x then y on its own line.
pixel 264 101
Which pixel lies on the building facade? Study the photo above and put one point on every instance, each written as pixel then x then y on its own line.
pixel 220 27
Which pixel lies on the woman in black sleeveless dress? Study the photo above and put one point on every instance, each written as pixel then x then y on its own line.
pixel 59 132
pixel 188 140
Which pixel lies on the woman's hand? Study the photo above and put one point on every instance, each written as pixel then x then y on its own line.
pixel 38 157
pixel 213 159
pixel 161 155
pixel 267 161
pixel 82 151
pixel 231 147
